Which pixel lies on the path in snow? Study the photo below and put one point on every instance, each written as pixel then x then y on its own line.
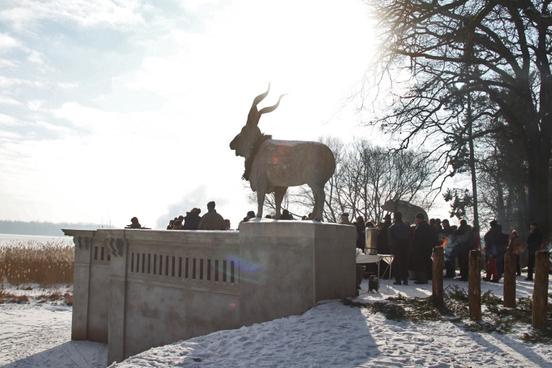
pixel 39 336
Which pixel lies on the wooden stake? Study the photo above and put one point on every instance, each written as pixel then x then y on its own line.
pixel 437 280
pixel 474 286
pixel 540 289
pixel 509 279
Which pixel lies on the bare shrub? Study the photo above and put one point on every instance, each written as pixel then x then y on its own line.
pixel 35 262
pixel 6 297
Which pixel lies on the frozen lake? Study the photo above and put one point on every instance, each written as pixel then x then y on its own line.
pixel 10 239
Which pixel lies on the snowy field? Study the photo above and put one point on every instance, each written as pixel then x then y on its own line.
pixel 331 334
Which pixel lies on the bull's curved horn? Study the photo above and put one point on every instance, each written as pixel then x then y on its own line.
pixel 264 110
pixel 260 97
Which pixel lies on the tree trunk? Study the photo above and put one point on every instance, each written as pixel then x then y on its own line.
pixel 509 298
pixel 521 222
pixel 471 164
pixel 474 285
pixel 538 185
pixel 437 295
pixel 540 289
pixel 501 216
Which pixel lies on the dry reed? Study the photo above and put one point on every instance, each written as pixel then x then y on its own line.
pixel 46 263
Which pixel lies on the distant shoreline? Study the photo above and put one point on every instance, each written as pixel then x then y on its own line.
pixel 44 229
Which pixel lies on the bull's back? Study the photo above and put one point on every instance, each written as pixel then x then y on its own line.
pixel 291 163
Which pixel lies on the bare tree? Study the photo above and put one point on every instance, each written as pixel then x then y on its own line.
pixel 510 47
pixel 366 177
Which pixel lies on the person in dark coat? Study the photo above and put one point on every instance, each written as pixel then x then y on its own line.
pixel 382 242
pixel 492 244
pixel 178 223
pixel 447 230
pixel 134 224
pixel 399 242
pixel 286 215
pixel 361 233
pixel 212 220
pixel 171 224
pixel 534 242
pixel 502 244
pixel 383 236
pixel 344 219
pixel 464 238
pixel 250 215
pixel 192 219
pixel 422 246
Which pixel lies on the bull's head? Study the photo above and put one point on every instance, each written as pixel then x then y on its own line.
pixel 244 142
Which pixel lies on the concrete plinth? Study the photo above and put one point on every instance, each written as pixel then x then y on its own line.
pixel 286 267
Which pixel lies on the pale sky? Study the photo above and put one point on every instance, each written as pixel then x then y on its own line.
pixel 114 109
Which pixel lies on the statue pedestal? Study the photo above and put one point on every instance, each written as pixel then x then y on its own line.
pixel 286 267
pixel 136 289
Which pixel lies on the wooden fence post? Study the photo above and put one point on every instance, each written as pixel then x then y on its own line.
pixel 509 279
pixel 540 289
pixel 437 279
pixel 474 286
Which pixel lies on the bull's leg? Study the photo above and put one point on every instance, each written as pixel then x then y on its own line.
pixel 260 203
pixel 279 193
pixel 319 197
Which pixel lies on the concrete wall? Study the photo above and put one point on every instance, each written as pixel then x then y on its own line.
pixel 91 294
pixel 180 284
pixel 288 266
pixel 156 287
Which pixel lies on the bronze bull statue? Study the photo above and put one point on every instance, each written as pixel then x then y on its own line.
pixel 271 166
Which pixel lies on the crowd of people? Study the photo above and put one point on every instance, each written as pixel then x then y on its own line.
pixel 497 243
pixel 212 220
pixel 412 246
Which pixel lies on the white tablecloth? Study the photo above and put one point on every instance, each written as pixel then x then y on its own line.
pixel 376 258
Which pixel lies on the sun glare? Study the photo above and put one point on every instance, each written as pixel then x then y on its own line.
pixel 161 128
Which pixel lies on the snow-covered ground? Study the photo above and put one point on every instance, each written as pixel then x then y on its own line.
pixel 38 333
pixel 334 335
pixel 387 288
pixel 330 334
